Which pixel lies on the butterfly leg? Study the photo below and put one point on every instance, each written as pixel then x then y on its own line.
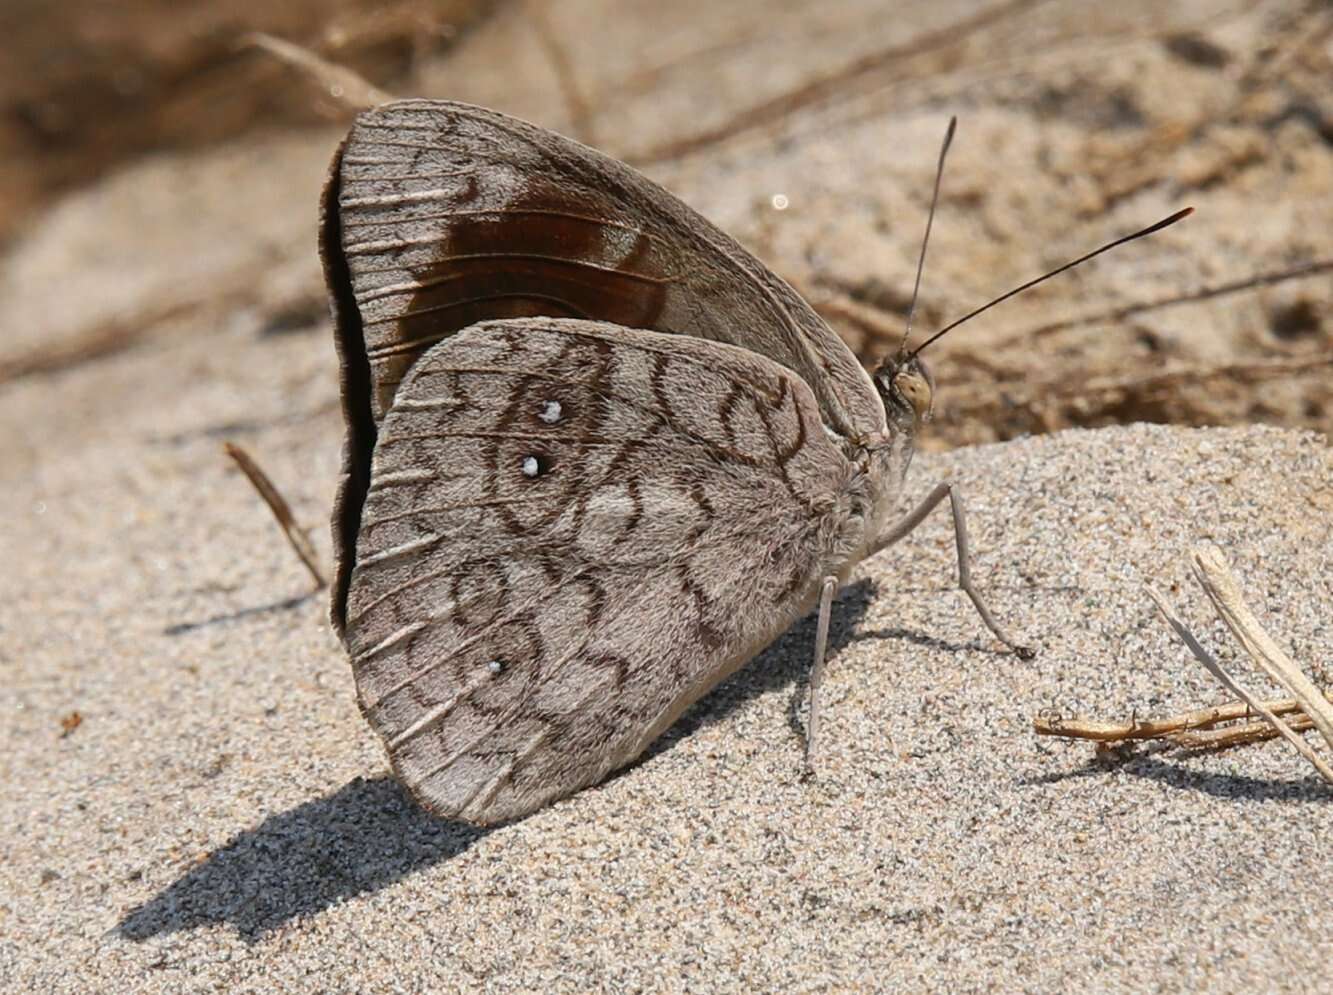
pixel 915 517
pixel 817 671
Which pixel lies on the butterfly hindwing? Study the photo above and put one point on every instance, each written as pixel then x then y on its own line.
pixel 573 530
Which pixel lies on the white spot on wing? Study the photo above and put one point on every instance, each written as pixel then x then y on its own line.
pixel 550 412
pixel 530 466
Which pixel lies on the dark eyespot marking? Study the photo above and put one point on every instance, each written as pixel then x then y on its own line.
pixel 536 465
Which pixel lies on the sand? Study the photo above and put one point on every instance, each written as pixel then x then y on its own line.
pixel 222 820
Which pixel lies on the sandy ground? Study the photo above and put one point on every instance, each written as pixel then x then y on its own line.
pixel 221 819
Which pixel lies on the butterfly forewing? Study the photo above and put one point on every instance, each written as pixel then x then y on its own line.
pixel 572 531
pixel 439 215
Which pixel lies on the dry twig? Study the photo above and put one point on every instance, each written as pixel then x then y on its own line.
pixel 1227 681
pixel 282 511
pixel 1168 728
pixel 1312 708
pixel 1238 735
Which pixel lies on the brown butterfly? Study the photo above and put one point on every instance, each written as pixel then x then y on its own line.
pixel 597 455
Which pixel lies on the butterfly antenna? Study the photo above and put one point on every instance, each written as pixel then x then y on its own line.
pixel 930 219
pixel 1165 222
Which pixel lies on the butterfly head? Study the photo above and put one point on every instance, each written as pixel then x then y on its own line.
pixel 906 389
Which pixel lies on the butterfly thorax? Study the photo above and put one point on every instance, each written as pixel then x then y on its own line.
pixel 906 389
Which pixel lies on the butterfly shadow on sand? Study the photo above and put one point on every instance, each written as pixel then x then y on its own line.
pixel 364 836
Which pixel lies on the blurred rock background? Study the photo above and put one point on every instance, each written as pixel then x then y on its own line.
pixel 159 181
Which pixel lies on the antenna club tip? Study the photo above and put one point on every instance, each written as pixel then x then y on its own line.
pixel 1166 222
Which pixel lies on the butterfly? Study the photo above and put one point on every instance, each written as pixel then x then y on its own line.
pixel 597 456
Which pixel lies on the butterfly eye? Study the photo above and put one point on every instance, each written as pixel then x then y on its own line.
pixel 915 388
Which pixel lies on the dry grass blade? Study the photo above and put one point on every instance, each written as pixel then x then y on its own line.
pixel 1221 587
pixel 1198 729
pixel 282 511
pixel 1227 681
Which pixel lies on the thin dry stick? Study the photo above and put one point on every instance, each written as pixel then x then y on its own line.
pixel 341 83
pixel 769 113
pixel 93 343
pixel 1100 391
pixel 1220 585
pixel 1248 732
pixel 1226 680
pixel 1303 271
pixel 879 324
pixel 580 110
pixel 1114 732
pixel 282 512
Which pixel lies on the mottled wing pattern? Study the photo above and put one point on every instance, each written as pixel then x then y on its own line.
pixel 574 530
pixel 439 215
